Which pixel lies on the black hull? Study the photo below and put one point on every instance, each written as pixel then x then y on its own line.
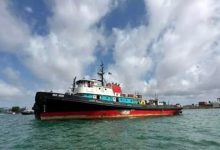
pixel 55 102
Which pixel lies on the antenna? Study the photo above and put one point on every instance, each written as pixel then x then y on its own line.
pixel 74 84
pixel 101 73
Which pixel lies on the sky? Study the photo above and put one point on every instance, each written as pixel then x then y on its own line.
pixel 167 47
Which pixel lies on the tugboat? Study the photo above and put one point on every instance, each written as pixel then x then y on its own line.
pixel 92 99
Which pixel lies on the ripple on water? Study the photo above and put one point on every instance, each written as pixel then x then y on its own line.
pixel 195 129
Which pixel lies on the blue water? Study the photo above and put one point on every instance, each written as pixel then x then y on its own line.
pixel 195 129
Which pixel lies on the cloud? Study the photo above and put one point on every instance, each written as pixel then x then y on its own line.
pixel 12 75
pixel 70 45
pixel 187 47
pixel 67 50
pixel 8 91
pixel 130 56
pixel 15 95
pixel 28 9
pixel 13 32
pixel 175 53
pixel 13 91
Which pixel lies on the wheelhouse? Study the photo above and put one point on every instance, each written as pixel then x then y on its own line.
pixel 87 83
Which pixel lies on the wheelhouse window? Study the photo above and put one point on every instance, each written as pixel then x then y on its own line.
pixel 85 83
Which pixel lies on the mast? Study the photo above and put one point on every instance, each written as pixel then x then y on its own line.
pixel 74 84
pixel 101 73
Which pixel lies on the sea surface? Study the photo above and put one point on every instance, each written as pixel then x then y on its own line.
pixel 195 129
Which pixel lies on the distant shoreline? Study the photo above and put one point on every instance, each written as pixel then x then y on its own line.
pixel 201 107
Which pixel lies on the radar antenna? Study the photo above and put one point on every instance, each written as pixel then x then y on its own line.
pixel 74 84
pixel 101 74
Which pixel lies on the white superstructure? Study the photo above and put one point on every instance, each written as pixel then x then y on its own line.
pixel 93 87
